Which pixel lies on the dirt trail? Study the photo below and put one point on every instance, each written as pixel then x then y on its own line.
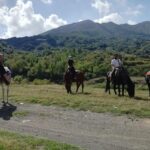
pixel 91 131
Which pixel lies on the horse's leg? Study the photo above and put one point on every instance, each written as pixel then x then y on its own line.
pixel 66 86
pixel 82 87
pixel 78 85
pixel 118 89
pixel 70 91
pixel 106 87
pixel 115 89
pixel 122 89
pixel 109 87
pixel 109 90
pixel 3 93
pixel 7 92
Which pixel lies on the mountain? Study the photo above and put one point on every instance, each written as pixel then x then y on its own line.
pixel 89 35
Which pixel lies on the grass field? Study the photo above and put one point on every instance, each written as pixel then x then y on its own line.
pixel 94 99
pixel 13 141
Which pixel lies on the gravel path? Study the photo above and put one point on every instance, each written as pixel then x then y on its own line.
pixel 91 131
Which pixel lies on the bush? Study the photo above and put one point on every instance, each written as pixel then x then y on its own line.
pixel 39 81
pixel 18 79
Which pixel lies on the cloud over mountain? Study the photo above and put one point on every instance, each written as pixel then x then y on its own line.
pixel 21 20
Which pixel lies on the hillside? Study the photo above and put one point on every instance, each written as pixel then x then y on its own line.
pixel 91 36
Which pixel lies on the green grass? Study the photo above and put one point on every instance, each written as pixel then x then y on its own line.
pixel 13 141
pixel 94 99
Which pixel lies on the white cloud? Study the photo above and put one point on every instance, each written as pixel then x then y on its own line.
pixel 131 22
pixel 132 12
pixel 113 17
pixel 118 12
pixel 47 1
pixel 103 6
pixel 54 21
pixel 106 14
pixel 21 20
pixel 135 11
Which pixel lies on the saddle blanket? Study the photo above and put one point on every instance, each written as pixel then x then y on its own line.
pixel 148 73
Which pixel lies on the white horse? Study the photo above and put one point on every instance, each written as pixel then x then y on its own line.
pixel 6 84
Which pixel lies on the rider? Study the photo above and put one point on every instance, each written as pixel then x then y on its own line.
pixel 3 72
pixel 116 63
pixel 71 68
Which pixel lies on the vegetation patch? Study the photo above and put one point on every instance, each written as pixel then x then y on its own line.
pixel 13 141
pixel 20 113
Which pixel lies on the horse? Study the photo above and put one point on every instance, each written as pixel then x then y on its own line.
pixel 79 79
pixel 147 79
pixel 108 81
pixel 119 79
pixel 4 82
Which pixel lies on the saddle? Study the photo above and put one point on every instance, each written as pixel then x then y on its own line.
pixel 118 70
pixel 147 73
pixel 8 72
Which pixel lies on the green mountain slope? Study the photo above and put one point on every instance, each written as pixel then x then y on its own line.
pixel 91 36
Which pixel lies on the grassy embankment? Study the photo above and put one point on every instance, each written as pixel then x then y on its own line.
pixel 13 141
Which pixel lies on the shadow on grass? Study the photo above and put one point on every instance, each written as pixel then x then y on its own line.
pixel 7 110
pixel 84 93
pixel 80 93
pixel 141 98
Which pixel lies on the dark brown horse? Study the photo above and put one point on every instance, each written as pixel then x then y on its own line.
pixel 147 79
pixel 79 79
pixel 119 79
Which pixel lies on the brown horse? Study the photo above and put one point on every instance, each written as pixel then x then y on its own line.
pixel 4 82
pixel 79 79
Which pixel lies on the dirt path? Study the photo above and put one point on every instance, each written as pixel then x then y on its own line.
pixel 91 131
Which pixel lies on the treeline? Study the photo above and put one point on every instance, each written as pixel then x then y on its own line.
pixel 51 65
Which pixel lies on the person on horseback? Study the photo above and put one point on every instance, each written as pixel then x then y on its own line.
pixel 3 72
pixel 116 63
pixel 71 68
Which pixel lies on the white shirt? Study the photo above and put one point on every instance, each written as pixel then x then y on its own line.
pixel 116 63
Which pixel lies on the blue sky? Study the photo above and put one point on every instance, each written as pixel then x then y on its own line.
pixel 20 18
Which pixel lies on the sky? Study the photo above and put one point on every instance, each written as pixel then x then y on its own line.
pixel 19 18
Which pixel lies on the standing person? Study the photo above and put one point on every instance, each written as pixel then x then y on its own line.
pixel 3 73
pixel 71 68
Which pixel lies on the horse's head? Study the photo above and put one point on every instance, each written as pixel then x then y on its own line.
pixel 131 89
